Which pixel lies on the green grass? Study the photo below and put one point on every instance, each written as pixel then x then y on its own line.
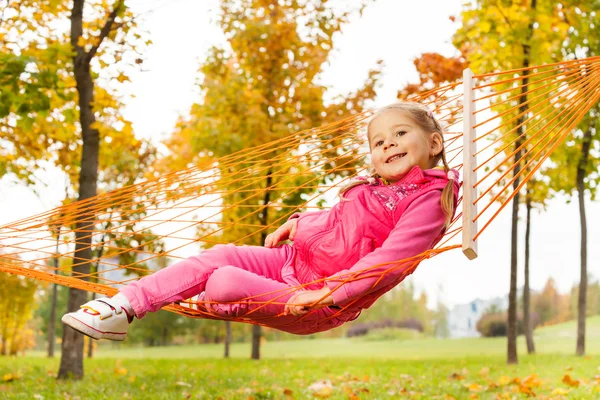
pixel 417 368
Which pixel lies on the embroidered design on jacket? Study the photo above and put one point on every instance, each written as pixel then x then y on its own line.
pixel 402 190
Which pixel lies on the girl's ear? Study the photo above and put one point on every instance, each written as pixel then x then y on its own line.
pixel 437 144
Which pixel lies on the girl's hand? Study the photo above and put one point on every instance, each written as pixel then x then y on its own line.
pixel 285 231
pixel 304 301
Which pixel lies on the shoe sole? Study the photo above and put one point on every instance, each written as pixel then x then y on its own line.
pixel 87 330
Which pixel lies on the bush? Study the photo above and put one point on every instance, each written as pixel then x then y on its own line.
pixel 496 324
pixel 362 329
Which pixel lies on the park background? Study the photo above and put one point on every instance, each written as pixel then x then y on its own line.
pixel 154 87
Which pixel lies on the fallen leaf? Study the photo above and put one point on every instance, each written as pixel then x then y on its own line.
pixel 532 381
pixel 475 387
pixel 526 390
pixel 559 391
pixel 119 370
pixel 570 381
pixel 485 371
pixel 181 383
pixel 288 392
pixel 10 377
pixel 504 380
pixel 321 389
pixel 456 376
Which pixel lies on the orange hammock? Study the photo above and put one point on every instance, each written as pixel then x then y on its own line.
pixel 125 234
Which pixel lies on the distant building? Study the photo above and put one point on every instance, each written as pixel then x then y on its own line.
pixel 462 319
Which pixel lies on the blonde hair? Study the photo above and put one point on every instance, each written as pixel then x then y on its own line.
pixel 425 120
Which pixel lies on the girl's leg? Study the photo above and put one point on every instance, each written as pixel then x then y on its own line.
pixel 188 278
pixel 236 293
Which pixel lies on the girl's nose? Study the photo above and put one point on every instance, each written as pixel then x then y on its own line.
pixel 389 144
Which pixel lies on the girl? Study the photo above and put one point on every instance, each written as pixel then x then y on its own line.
pixel 400 211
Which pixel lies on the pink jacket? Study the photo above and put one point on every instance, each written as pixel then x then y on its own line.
pixel 375 224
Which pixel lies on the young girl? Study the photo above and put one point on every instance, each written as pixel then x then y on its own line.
pixel 400 211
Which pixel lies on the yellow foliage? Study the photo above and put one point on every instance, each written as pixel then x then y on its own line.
pixel 16 309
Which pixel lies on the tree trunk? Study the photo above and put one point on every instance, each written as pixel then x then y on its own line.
pixel 526 291
pixel 71 362
pixel 512 357
pixel 227 338
pixel 165 334
pixel 581 304
pixel 256 334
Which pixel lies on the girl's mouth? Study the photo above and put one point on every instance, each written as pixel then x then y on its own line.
pixel 395 157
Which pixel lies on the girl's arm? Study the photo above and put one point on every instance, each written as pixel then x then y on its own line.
pixel 416 231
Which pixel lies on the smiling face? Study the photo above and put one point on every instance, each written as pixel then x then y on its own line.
pixel 398 144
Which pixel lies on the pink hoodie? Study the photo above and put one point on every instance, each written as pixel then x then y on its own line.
pixel 375 224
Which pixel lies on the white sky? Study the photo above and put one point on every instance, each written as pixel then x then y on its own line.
pixel 393 30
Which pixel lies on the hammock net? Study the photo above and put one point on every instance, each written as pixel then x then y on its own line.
pixel 101 243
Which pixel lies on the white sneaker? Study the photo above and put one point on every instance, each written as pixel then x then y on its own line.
pixel 100 319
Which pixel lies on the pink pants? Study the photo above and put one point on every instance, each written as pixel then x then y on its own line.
pixel 229 273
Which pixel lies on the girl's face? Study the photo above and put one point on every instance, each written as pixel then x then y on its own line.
pixel 398 144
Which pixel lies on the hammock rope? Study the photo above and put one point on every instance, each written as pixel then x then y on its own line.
pixel 187 210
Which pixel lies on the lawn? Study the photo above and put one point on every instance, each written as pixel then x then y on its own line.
pixel 325 368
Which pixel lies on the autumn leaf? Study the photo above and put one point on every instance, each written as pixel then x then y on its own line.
pixel 322 389
pixel 485 371
pixel 570 381
pixel 559 391
pixel 475 387
pixel 10 377
pixel 526 390
pixel 119 370
pixel 456 376
pixel 532 381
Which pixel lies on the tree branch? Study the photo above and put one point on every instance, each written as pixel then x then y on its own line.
pixel 503 16
pixel 105 29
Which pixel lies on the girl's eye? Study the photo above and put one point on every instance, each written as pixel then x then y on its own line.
pixel 379 143
pixel 400 133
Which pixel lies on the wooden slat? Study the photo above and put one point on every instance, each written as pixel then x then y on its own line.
pixel 469 226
